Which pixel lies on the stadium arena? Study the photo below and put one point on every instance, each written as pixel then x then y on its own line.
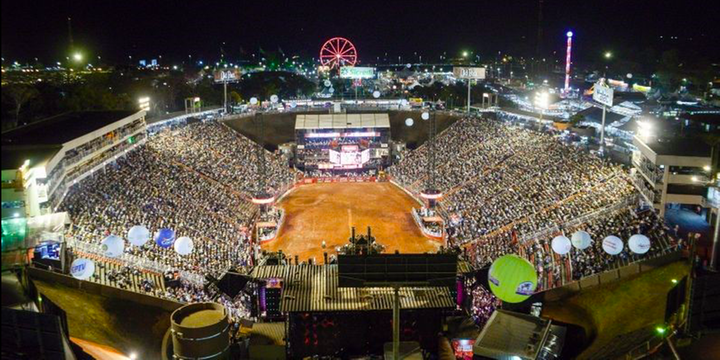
pixel 346 184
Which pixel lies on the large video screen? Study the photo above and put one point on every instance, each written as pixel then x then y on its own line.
pixel 349 155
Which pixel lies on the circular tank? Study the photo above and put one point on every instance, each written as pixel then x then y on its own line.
pixel 200 331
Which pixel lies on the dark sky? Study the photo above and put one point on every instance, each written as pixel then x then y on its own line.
pixel 175 29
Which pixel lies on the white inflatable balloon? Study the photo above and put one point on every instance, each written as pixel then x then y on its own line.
pixel 184 245
pixel 581 240
pixel 425 115
pixel 82 269
pixel 409 122
pixel 376 94
pixel 639 244
pixel 327 83
pixel 138 235
pixel 612 245
pixel 561 245
pixel 253 100
pixel 113 246
pixel 274 99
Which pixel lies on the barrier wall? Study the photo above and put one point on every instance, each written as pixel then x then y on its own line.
pixel 610 276
pixel 102 290
pixel 320 180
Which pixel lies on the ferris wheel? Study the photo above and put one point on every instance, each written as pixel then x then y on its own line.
pixel 338 52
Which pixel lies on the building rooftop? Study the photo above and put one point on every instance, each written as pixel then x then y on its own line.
pixel 594 115
pixel 60 129
pixel 679 147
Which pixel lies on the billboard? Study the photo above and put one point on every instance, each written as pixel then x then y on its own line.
pixel 603 94
pixel 469 72
pixel 227 75
pixel 356 72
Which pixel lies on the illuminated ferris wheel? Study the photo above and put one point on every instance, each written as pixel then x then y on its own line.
pixel 338 52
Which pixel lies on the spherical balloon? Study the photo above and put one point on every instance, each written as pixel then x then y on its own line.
pixel 327 83
pixel 82 269
pixel 113 246
pixel 274 98
pixel 612 245
pixel 293 104
pixel 331 90
pixel 512 278
pixel 639 244
pixel 376 94
pixel 581 240
pixel 561 245
pixel 165 238
pixel 253 100
pixel 138 235
pixel 183 245
pixel 425 115
pixel 409 122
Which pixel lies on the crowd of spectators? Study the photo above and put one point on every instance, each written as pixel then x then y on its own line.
pixel 503 183
pixel 196 180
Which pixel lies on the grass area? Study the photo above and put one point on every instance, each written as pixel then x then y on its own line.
pixel 609 310
pixel 280 128
pixel 123 325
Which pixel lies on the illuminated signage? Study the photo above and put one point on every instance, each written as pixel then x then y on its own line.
pixel 603 94
pixel 469 72
pixel 337 134
pixel 356 72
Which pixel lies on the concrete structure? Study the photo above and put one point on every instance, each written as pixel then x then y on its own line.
pixel 41 160
pixel 671 171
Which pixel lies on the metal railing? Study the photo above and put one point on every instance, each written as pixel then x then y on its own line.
pixel 134 260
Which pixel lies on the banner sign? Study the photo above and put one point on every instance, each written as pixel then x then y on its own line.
pixel 603 94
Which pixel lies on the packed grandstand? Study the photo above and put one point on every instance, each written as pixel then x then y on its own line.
pixel 506 190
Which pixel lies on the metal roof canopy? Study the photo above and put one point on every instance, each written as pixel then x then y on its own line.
pixel 393 270
pixel 341 121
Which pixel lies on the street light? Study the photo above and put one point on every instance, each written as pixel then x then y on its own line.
pixel 608 55
pixel 464 54
pixel 77 57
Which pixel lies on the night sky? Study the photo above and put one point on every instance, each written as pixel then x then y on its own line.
pixel 176 29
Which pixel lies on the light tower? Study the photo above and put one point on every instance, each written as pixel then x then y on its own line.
pixel 431 193
pixel 567 61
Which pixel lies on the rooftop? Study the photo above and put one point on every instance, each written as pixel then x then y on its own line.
pixel 60 129
pixel 13 157
pixel 679 147
pixel 314 288
pixel 342 121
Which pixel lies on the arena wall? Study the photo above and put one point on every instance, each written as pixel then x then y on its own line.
pixel 103 290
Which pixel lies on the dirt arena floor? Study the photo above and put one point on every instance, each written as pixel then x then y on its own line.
pixel 318 212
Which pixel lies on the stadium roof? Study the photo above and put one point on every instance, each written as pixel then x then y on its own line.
pixel 314 288
pixel 13 157
pixel 60 129
pixel 341 121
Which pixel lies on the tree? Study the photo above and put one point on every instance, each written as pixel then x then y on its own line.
pixel 20 94
pixel 576 119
